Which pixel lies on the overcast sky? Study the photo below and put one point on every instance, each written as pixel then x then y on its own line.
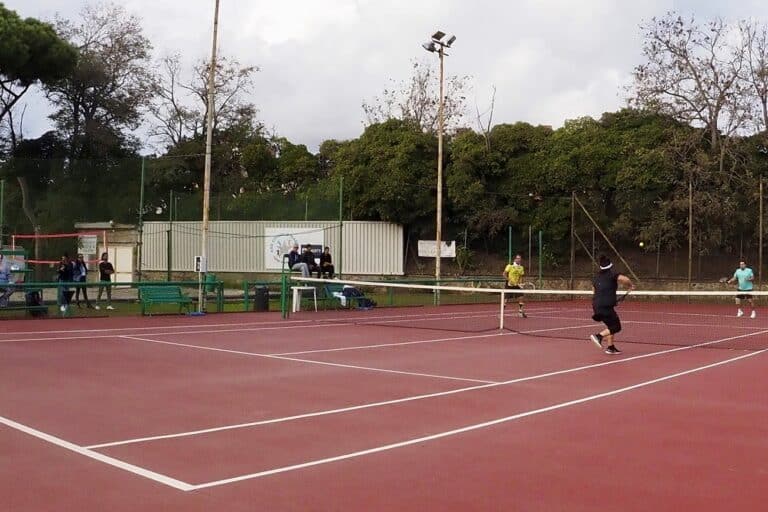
pixel 550 60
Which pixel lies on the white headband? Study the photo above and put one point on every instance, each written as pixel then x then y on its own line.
pixel 606 267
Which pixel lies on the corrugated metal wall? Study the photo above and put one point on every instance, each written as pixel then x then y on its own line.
pixel 369 248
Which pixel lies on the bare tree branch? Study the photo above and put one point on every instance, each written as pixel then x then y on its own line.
pixel 417 101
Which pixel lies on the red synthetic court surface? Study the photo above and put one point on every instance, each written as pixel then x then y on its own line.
pixel 248 412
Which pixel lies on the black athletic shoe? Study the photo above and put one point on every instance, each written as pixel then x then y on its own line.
pixel 612 350
pixel 597 339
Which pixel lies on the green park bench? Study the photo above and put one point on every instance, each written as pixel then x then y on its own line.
pixel 163 295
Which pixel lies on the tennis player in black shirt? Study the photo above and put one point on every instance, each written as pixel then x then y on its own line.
pixel 605 285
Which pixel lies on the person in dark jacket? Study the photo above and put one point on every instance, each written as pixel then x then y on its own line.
pixel 605 285
pixel 308 257
pixel 295 262
pixel 326 264
pixel 65 274
pixel 80 270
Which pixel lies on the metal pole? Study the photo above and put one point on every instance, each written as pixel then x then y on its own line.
pixel 341 225
pixel 541 244
pixel 208 151
pixel 2 211
pixel 439 219
pixel 573 233
pixel 509 243
pixel 690 230
pixel 140 242
pixel 170 238
pixel 605 237
pixel 530 245
pixel 760 240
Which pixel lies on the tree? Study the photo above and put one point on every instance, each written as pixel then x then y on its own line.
pixel 389 174
pixel 180 106
pixel 693 74
pixel 490 190
pixel 756 40
pixel 104 99
pixel 417 101
pixel 30 51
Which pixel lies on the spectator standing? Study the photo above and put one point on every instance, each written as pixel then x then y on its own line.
pixel 105 278
pixel 65 274
pixel 81 276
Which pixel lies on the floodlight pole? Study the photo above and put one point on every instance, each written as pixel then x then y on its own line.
pixel 436 44
pixel 2 212
pixel 760 240
pixel 440 121
pixel 208 151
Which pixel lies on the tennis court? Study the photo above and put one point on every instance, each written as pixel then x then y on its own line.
pixel 349 410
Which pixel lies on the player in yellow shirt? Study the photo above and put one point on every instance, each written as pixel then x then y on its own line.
pixel 514 273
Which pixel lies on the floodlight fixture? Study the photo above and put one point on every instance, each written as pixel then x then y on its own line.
pixel 450 41
pixel 438 35
pixel 429 46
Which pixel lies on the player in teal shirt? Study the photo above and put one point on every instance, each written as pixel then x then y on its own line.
pixel 745 277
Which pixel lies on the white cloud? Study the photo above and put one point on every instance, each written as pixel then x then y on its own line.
pixel 550 60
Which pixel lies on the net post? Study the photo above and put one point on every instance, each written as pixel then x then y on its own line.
pixel 501 310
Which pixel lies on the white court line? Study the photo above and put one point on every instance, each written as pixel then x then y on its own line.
pixel 136 470
pixel 438 340
pixel 408 399
pixel 468 428
pixel 294 359
pixel 647 322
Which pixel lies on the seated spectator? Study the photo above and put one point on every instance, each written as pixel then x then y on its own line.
pixel 6 287
pixel 309 258
pixel 326 264
pixel 295 263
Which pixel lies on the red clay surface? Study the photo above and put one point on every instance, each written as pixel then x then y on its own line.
pixel 342 421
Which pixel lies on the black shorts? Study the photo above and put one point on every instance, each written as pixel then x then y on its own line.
pixel 744 296
pixel 508 286
pixel 608 316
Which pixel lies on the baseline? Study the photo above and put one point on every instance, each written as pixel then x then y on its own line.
pixel 106 459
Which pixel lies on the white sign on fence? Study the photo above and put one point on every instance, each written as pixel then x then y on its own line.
pixel 428 249
pixel 88 244
pixel 279 242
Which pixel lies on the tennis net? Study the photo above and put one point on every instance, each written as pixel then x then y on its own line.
pixel 707 319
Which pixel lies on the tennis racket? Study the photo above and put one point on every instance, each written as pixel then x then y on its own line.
pixel 723 280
